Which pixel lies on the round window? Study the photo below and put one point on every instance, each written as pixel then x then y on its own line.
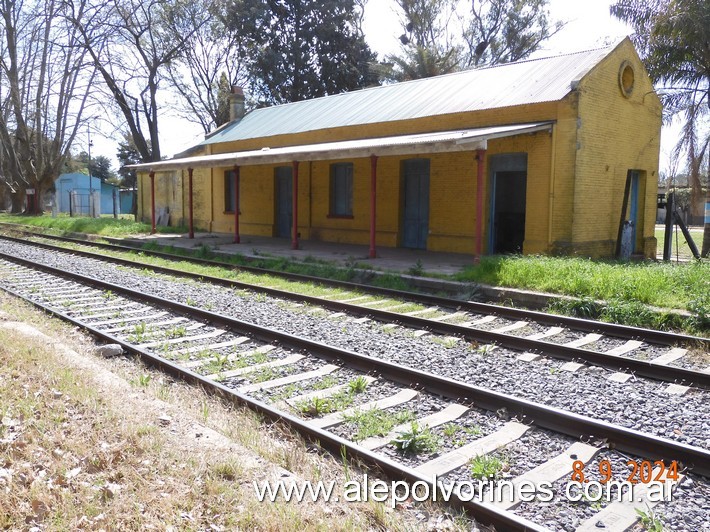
pixel 626 79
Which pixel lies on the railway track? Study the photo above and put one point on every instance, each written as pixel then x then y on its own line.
pixel 629 351
pixel 283 376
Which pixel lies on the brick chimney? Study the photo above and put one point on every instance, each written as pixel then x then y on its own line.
pixel 236 104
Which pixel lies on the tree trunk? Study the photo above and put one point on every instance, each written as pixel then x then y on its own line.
pixel 38 207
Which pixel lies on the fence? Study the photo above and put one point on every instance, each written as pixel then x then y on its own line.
pixel 89 204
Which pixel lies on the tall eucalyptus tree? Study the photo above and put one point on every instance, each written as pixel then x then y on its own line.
pixel 45 88
pixel 131 44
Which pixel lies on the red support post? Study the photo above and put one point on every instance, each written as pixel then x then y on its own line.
pixel 294 229
pixel 480 159
pixel 236 204
pixel 152 202
pixel 373 204
pixel 189 204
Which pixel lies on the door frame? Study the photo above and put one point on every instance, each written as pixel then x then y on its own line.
pixel 634 206
pixel 280 173
pixel 503 162
pixel 402 195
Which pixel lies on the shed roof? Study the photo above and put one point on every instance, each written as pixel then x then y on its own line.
pixel 531 81
pixel 442 141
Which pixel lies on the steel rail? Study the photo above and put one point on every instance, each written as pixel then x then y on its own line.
pixel 486 514
pixel 580 324
pixel 644 368
pixel 575 425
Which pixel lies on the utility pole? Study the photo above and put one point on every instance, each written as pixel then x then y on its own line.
pixel 91 188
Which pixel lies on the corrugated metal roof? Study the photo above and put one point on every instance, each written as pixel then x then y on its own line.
pixel 442 141
pixel 524 82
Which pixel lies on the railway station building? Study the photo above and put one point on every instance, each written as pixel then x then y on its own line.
pixel 543 156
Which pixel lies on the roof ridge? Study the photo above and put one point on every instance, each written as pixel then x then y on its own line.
pixel 526 81
pixel 450 74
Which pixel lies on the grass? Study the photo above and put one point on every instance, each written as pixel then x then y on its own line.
pixel 627 287
pixel 680 247
pixel 79 452
pixel 662 285
pixel 376 422
pixel 650 521
pixel 416 439
pixel 106 226
pixel 484 467
pixel 318 406
pixel 140 333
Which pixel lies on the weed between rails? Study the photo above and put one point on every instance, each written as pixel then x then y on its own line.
pixel 416 439
pixel 318 406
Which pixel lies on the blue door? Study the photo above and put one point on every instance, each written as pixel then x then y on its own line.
pixel 415 213
pixel 634 207
pixel 283 192
pixel 63 191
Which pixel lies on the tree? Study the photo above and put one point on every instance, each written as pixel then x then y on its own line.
pixel 131 43
pixel 672 37
pixel 212 62
pixel 44 89
pixel 491 32
pixel 420 62
pixel 301 49
pixel 98 166
pixel 128 154
pixel 428 49
pixel 504 31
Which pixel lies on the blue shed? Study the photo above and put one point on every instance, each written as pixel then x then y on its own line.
pixel 77 182
pixel 127 198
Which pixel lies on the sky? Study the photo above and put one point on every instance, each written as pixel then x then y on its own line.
pixel 588 25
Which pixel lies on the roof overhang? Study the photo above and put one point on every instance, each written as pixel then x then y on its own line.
pixel 439 142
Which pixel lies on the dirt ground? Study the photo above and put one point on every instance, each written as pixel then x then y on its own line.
pixel 107 444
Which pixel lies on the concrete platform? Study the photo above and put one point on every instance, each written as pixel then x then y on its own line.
pixel 423 269
pixel 388 259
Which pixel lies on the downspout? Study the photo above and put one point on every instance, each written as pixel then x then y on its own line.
pixel 152 202
pixel 189 203
pixel 373 204
pixel 552 188
pixel 236 204
pixel 480 169
pixel 294 235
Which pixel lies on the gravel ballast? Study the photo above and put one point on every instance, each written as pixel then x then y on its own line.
pixel 640 403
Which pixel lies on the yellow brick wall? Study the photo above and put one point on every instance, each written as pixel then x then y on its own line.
pixel 452 215
pixel 561 178
pixel 258 201
pixel 576 174
pixel 538 146
pixel 168 194
pixel 615 134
